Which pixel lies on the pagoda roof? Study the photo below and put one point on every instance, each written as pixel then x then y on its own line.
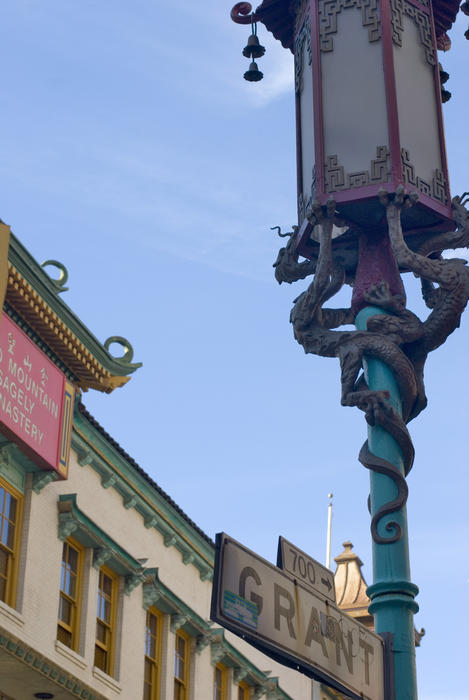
pixel 33 300
pixel 278 17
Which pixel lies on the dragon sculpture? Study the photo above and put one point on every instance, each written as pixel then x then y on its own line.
pixel 397 337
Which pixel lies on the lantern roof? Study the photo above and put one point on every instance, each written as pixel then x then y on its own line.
pixel 278 17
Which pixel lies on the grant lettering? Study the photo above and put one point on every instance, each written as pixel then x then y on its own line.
pixel 249 572
pixel 368 649
pixel 313 633
pixel 340 645
pixel 288 612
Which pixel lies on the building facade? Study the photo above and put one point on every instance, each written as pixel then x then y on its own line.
pixel 105 583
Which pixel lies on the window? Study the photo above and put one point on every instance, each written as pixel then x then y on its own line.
pixel 105 620
pixel 181 666
pixel 70 588
pixel 151 681
pixel 219 683
pixel 243 691
pixel 10 517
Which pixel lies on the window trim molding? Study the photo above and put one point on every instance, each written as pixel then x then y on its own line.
pixel 74 521
pixel 182 616
pixel 13 564
pixel 224 679
pixel 221 651
pixel 76 625
pixel 156 690
pixel 187 660
pixel 113 623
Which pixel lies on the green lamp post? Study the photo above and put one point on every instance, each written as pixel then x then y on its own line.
pixel 373 203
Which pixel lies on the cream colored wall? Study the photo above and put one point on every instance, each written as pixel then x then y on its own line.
pixel 35 620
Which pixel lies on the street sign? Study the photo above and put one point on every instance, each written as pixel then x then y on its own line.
pixel 305 569
pixel 294 624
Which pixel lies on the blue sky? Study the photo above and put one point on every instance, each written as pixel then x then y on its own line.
pixel 134 152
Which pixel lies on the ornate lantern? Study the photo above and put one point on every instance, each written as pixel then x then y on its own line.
pixel 368 108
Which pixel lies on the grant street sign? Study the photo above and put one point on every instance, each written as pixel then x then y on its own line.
pixel 294 624
pixel 305 569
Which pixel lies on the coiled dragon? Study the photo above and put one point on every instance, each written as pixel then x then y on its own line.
pixel 397 337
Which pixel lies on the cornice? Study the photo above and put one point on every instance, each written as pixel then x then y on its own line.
pixel 182 616
pixel 34 296
pixel 157 512
pixel 74 521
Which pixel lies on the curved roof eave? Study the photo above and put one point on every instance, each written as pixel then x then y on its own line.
pixel 34 296
pixel 276 16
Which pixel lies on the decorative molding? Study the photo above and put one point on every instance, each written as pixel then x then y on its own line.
pixel 59 283
pixel 156 593
pixel 336 179
pixel 67 525
pixel 240 674
pixel 297 10
pixel 328 11
pixel 151 595
pixel 150 521
pixel 85 459
pixel 92 448
pixel 438 187
pixel 11 615
pixel 303 37
pixel 203 641
pixel 11 468
pixel 101 556
pixel 72 519
pixel 206 574
pixel 108 480
pixel 132 581
pixel 217 652
pixel 70 655
pixel 178 620
pixel 169 539
pixel 106 680
pixel 421 18
pixel 129 501
pixel 47 668
pixel 187 557
pixel 42 479
pixel 33 296
pixel 244 669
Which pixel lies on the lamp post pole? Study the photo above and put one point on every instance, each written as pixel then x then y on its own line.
pixel 392 593
pixel 369 128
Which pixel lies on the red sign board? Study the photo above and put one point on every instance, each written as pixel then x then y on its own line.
pixel 36 400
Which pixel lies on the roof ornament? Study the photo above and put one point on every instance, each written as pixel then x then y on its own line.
pixel 128 355
pixel 242 13
pixel 61 281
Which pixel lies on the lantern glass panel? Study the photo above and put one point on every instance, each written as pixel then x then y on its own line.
pixel 417 106
pixel 354 100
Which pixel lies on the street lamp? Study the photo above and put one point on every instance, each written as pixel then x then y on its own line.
pixel 373 202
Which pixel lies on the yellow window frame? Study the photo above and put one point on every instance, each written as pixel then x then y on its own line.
pixel 223 678
pixel 243 691
pixel 108 647
pixel 155 661
pixel 11 586
pixel 74 628
pixel 183 683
